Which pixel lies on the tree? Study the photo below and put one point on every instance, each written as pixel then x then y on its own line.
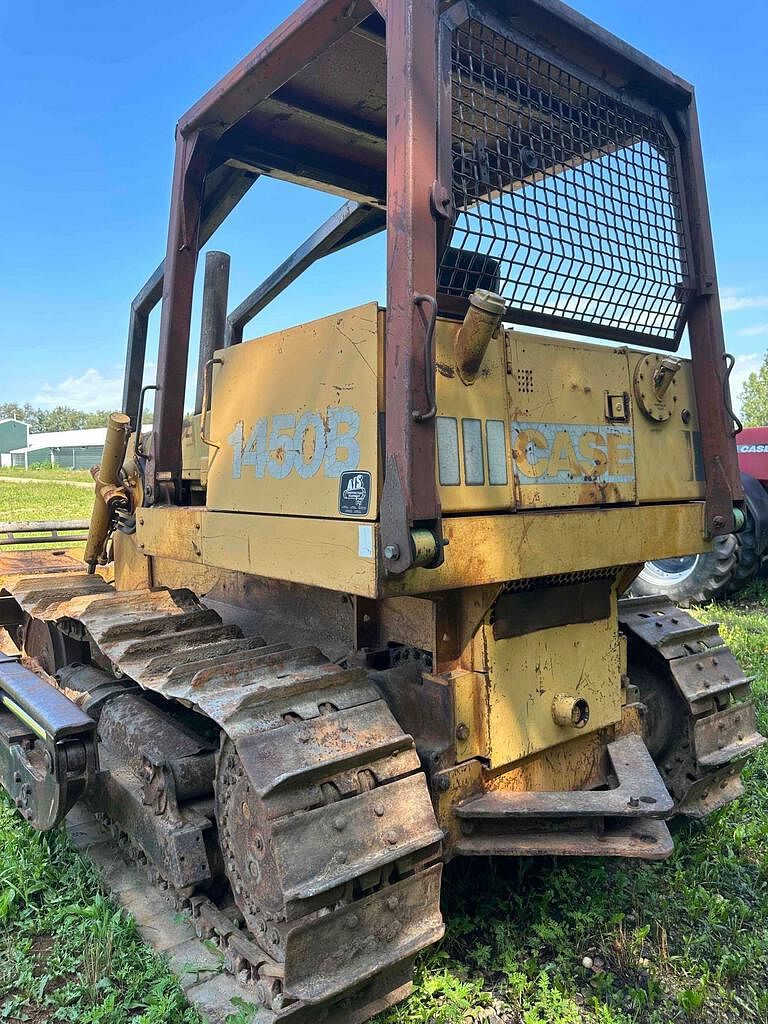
pixel 14 411
pixel 754 397
pixel 63 417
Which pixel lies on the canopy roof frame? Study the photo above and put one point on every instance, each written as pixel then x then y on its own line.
pixel 402 170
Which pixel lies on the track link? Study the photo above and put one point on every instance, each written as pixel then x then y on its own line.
pixel 324 818
pixel 718 724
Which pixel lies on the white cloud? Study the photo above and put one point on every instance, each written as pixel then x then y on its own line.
pixel 90 391
pixel 734 301
pixel 756 331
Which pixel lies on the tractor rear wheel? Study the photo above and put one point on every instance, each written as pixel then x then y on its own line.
pixel 696 579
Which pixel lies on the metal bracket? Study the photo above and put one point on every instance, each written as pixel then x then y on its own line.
pixel 441 202
pixel 640 793
pixel 207 387
pixel 147 387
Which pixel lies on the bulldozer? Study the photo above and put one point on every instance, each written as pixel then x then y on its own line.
pixel 359 613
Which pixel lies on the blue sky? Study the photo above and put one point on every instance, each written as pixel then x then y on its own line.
pixel 92 91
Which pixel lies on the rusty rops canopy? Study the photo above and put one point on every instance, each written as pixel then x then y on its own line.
pixel 513 144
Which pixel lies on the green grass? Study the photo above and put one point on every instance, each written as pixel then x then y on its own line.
pixel 36 501
pixel 682 941
pixel 66 952
pixel 46 473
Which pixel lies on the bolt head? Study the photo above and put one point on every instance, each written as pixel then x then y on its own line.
pixel 253 868
pixel 391 552
pixel 462 732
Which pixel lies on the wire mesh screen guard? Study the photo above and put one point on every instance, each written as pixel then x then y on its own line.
pixel 566 196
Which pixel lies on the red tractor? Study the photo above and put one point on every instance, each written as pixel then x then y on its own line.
pixel 736 558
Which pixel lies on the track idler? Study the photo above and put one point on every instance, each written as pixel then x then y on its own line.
pixel 48 756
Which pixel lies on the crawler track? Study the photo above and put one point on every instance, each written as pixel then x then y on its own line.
pixel 705 726
pixel 311 854
pixel 324 821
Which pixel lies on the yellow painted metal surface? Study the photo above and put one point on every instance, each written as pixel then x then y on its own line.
pixel 294 418
pixel 547 448
pixel 496 548
pixel 567 449
pixel 319 552
pixel 343 555
pixel 168 572
pixel 548 423
pixel 473 713
pixel 132 566
pixel 668 457
pixel 174 533
pixel 554 423
pixel 526 673
pixel 579 763
pixel 471 427
pixel 194 453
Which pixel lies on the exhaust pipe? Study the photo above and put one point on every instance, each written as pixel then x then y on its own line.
pixel 213 320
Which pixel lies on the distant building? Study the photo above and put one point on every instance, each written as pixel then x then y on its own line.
pixel 67 449
pixel 13 434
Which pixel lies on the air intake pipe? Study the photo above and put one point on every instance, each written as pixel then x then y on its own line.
pixel 481 322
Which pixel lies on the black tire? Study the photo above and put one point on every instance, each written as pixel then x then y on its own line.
pixel 696 579
pixel 750 558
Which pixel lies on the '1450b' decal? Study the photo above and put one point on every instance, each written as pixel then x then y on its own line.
pixel 280 445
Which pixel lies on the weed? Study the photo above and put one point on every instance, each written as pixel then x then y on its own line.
pixel 66 952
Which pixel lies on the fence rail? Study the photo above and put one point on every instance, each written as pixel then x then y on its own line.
pixel 49 531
